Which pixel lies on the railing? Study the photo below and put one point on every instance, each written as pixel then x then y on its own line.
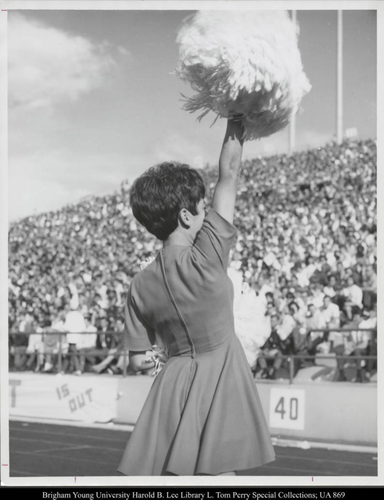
pixel 292 357
pixel 121 350
pixel 60 354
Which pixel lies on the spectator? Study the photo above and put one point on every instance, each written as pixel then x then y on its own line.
pixel 330 287
pixel 34 347
pixel 75 326
pixel 330 313
pixel 288 321
pixel 270 359
pixel 369 286
pixel 50 346
pixel 370 322
pixel 316 337
pixel 114 352
pixel 357 345
pixel 19 343
pixel 316 295
pixel 353 297
pixel 298 345
pixel 88 343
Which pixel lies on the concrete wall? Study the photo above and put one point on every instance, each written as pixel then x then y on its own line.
pixel 309 410
pixel 313 410
pixel 322 411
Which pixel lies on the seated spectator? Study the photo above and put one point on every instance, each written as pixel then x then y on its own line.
pixel 356 272
pixel 369 287
pixel 122 359
pixel 270 299
pixel 296 313
pixel 331 313
pixel 75 326
pixel 308 271
pixel 88 344
pixel 19 343
pixel 33 351
pixel 353 297
pixel 50 346
pixel 282 299
pixel 340 274
pixel 270 359
pixel 357 345
pixel 301 299
pixel 343 342
pixel 370 321
pixel 323 270
pixel 330 287
pixel 288 321
pixel 115 352
pixel 315 324
pixel 316 295
pixel 298 345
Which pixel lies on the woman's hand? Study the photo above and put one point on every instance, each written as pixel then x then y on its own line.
pixel 140 361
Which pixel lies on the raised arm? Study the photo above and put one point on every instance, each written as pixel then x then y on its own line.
pixel 229 164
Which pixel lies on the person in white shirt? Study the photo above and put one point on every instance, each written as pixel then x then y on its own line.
pixel 75 326
pixel 353 295
pixel 370 321
pixel 87 343
pixel 329 288
pixel 317 295
pixel 308 271
pixel 288 321
pixel 356 344
pixel 35 341
pixel 315 324
pixel 330 313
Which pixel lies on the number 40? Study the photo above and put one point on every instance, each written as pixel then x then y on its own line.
pixel 293 408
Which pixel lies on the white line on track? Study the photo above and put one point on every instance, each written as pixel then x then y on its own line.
pixel 283 442
pixel 59 457
pixel 110 426
pixel 65 434
pixel 23 473
pixel 62 446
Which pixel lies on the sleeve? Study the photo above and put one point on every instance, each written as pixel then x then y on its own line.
pixel 216 238
pixel 138 334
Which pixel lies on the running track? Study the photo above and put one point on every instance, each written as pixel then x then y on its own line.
pixel 46 450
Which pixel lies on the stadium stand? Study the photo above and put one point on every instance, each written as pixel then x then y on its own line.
pixel 305 259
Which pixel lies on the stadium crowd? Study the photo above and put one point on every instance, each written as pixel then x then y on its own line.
pixel 304 262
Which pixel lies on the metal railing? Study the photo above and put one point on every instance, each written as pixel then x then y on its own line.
pixel 292 357
pixel 103 351
pixel 121 350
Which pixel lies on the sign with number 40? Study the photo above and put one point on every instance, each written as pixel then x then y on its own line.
pixel 287 408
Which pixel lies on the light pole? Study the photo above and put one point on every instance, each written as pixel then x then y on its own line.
pixel 292 125
pixel 339 103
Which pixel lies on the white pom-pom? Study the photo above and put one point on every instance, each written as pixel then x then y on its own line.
pixel 243 63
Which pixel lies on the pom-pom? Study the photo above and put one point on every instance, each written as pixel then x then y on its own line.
pixel 243 63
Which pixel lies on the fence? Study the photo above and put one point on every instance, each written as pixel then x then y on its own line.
pixel 122 351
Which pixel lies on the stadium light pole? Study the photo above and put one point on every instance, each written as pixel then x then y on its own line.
pixel 292 125
pixel 339 104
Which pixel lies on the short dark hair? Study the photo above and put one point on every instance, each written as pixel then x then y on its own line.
pixel 158 195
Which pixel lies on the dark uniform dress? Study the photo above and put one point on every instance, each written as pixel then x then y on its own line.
pixel 203 414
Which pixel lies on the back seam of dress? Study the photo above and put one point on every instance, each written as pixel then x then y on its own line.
pixel 192 367
pixel 182 321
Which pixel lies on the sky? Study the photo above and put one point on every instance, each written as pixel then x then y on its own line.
pixel 93 99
